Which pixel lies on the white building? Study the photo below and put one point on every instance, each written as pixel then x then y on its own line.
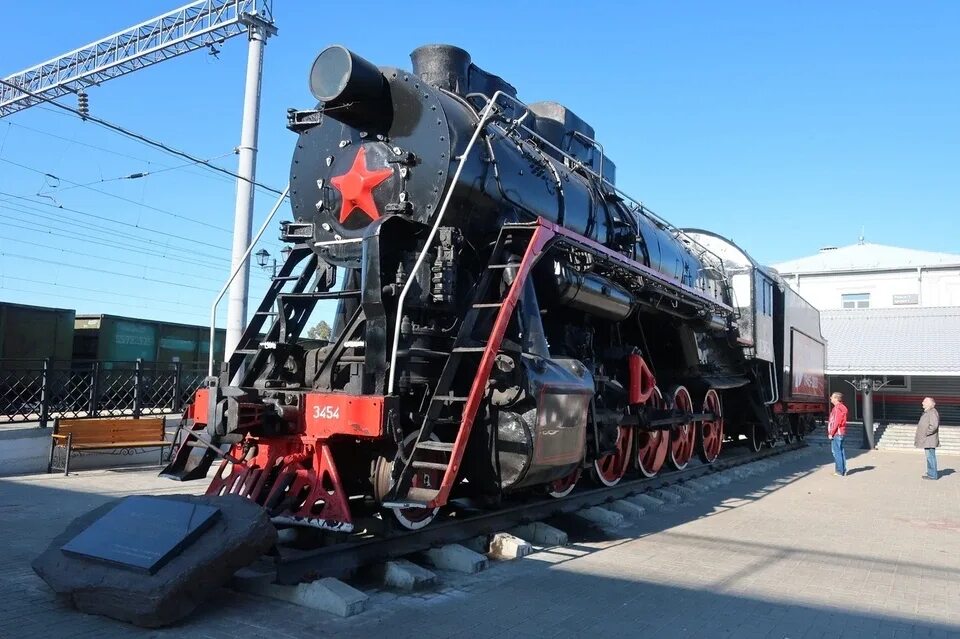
pixel 890 315
pixel 874 276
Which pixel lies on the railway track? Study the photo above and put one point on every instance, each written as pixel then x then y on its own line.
pixel 293 566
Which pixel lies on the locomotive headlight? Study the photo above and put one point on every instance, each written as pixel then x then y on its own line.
pixel 339 76
pixel 329 73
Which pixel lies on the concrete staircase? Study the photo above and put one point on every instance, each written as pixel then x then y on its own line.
pixel 890 437
pixel 900 437
pixel 854 438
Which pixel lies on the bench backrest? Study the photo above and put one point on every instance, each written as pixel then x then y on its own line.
pixel 110 431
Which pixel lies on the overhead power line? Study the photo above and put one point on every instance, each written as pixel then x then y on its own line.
pixel 144 139
pixel 107 272
pixel 176 236
pixel 73 287
pixel 139 175
pixel 73 234
pixel 86 144
pixel 92 234
pixel 118 197
pixel 134 244
pixel 219 177
pixel 102 258
pixel 142 307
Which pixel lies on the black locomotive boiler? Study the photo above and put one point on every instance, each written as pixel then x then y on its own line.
pixel 507 318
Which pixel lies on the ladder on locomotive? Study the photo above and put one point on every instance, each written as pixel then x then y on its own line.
pixel 292 311
pixel 307 286
pixel 458 397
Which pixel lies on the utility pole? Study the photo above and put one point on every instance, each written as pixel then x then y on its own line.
pixel 258 30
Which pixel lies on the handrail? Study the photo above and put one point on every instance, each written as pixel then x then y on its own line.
pixel 588 139
pixel 485 116
pixel 774 387
pixel 639 206
pixel 240 265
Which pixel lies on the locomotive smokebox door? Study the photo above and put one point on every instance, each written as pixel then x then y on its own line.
pixel 380 146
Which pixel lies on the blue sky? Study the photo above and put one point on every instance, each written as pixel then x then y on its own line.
pixel 786 126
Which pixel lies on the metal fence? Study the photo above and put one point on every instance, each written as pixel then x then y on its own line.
pixel 42 390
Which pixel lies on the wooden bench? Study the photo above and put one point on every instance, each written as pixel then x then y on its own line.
pixel 105 434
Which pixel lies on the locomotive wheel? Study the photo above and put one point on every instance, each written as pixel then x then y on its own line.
pixel 755 438
pixel 797 428
pixel 682 439
pixel 409 518
pixel 791 435
pixel 652 445
pixel 610 469
pixel 565 485
pixel 711 432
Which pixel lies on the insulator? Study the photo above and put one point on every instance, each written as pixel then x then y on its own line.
pixel 83 104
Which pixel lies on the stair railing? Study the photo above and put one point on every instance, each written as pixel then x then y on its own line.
pixel 233 275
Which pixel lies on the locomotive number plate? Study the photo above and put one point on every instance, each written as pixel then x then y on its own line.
pixel 326 412
pixel 329 414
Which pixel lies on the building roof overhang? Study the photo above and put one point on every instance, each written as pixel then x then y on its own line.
pixel 914 341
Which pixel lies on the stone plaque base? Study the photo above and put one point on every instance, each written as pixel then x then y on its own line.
pixel 143 533
pixel 236 537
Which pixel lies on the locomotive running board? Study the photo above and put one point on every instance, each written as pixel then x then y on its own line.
pixel 664 283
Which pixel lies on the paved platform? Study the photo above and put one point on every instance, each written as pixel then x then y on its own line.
pixel 791 552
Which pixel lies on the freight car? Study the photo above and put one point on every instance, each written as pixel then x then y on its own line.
pixel 35 333
pixel 125 339
pixel 28 336
pixel 507 317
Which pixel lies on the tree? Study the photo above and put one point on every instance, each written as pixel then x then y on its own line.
pixel 320 331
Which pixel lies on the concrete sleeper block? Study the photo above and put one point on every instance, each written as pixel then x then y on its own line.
pixel 698 484
pixel 328 594
pixel 687 492
pixel 456 558
pixel 541 534
pixel 628 509
pixel 406 575
pixel 479 545
pixel 601 516
pixel 667 495
pixel 647 502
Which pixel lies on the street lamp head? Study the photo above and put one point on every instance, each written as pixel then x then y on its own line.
pixel 285 252
pixel 262 256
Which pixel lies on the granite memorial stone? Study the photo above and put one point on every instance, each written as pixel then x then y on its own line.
pixel 102 562
pixel 142 533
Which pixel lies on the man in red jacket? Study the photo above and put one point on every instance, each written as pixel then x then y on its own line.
pixel 836 431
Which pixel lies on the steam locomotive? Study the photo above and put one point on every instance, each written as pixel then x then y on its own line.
pixel 507 321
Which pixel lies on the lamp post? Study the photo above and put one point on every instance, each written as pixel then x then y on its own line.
pixel 265 261
pixel 866 386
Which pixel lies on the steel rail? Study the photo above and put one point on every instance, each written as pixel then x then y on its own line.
pixel 294 566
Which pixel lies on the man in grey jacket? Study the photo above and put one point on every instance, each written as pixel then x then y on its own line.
pixel 928 436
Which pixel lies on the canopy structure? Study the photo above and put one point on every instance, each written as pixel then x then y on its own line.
pixel 893 341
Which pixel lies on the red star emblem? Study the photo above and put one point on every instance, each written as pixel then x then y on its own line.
pixel 356 187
